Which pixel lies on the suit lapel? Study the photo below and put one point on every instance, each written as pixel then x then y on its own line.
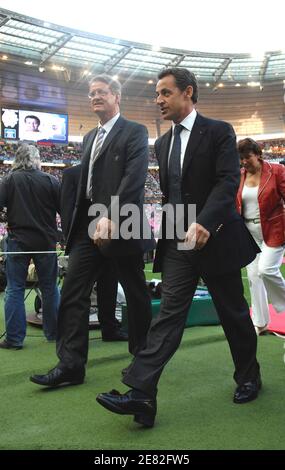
pixel 88 147
pixel 163 158
pixel 198 130
pixel 265 176
pixel 197 133
pixel 85 162
pixel 114 131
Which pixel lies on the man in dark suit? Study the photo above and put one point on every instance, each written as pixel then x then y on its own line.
pixel 107 284
pixel 114 163
pixel 198 165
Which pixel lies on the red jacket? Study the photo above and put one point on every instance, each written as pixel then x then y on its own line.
pixel 271 194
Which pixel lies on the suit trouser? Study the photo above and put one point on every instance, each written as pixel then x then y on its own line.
pixel 86 264
pixel 107 288
pixel 179 282
pixel 265 278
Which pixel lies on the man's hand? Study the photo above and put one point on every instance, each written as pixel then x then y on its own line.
pixel 197 236
pixel 104 231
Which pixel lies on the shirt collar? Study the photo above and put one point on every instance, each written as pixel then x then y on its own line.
pixel 188 122
pixel 109 124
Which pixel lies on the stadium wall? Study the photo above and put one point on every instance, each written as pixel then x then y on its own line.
pixel 249 110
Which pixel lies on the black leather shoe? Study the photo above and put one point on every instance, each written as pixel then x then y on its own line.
pixel 143 408
pixel 117 335
pixel 5 345
pixel 58 377
pixel 247 391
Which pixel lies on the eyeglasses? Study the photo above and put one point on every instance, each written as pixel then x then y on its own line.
pixel 100 93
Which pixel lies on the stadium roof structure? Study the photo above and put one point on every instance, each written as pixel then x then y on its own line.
pixel 39 44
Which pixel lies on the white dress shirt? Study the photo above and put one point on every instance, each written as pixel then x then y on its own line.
pixel 187 123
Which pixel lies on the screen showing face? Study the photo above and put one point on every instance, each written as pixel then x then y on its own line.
pixel 9 123
pixel 38 126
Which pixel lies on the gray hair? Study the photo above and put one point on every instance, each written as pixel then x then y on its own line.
pixel 27 158
pixel 113 83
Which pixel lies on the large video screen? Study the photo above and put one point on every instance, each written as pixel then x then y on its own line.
pixel 38 126
pixel 9 123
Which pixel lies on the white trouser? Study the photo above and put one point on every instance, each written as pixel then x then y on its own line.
pixel 265 278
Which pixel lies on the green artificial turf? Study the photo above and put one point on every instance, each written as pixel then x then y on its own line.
pixel 195 408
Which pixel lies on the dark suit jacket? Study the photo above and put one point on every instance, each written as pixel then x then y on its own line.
pixel 69 186
pixel 120 170
pixel 210 179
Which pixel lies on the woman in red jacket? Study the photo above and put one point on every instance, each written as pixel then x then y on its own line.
pixel 260 200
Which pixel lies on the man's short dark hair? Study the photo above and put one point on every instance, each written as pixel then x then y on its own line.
pixel 31 116
pixel 183 78
pixel 247 146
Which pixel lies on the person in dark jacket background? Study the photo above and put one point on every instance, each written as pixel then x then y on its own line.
pixel 32 201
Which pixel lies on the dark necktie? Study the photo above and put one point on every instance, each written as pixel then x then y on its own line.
pixel 174 167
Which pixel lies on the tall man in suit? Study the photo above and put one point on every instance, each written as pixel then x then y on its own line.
pixel 198 165
pixel 114 163
pixel 107 284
